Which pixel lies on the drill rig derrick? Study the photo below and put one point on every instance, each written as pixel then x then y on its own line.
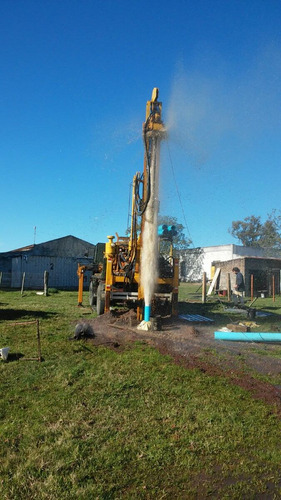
pixel 153 132
pixel 121 277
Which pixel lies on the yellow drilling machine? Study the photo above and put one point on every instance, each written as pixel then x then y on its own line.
pixel 118 268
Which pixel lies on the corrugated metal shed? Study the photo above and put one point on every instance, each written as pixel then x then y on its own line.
pixel 62 271
pixel 59 257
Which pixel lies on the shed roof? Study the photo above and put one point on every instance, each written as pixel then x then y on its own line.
pixel 67 246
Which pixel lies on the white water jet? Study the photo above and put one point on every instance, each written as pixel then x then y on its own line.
pixel 149 254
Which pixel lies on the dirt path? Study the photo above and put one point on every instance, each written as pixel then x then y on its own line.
pixel 195 347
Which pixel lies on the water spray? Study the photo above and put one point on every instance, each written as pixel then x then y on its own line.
pixel 153 133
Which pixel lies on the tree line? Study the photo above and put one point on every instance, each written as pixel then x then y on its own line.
pixel 252 232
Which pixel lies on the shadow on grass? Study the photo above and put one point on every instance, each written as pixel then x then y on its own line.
pixel 217 311
pixel 16 314
pixel 269 308
pixel 14 356
pixel 198 308
pixel 19 356
pixel 212 310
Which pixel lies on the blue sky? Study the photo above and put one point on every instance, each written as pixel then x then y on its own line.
pixel 75 78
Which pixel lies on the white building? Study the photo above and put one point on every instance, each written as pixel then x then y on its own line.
pixel 195 261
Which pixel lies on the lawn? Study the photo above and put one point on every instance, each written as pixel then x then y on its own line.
pixel 89 422
pixel 190 297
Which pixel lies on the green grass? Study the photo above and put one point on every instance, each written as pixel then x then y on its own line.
pixel 193 292
pixel 215 307
pixel 90 422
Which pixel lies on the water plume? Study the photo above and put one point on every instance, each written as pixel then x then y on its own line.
pixel 149 255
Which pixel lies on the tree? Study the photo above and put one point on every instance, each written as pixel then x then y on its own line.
pixel 271 237
pixel 248 231
pixel 253 233
pixel 179 241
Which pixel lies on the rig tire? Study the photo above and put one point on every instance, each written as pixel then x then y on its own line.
pixel 92 295
pixel 100 299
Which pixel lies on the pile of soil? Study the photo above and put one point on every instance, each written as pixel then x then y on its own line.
pixel 193 346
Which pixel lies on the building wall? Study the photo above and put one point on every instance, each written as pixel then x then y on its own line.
pixel 193 262
pixel 262 270
pixel 6 271
pixel 226 268
pixel 62 272
pixel 59 257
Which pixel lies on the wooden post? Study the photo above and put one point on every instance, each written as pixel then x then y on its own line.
pixel 1 275
pixel 228 284
pixel 80 274
pixel 46 283
pixel 273 288
pixel 22 282
pixel 204 288
pixel 252 287
pixel 38 342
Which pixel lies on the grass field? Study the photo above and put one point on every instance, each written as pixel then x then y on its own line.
pixel 89 422
pixel 190 300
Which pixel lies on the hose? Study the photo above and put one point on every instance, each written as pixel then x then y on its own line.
pixel 141 205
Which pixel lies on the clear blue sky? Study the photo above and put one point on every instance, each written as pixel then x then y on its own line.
pixel 75 78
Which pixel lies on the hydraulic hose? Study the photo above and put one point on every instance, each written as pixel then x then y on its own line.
pixel 141 205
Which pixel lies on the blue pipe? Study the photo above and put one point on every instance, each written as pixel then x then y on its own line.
pixel 248 336
pixel 147 311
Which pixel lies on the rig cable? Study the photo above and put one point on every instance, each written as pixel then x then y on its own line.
pixel 179 196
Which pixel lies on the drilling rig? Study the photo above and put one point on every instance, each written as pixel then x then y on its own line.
pixel 133 271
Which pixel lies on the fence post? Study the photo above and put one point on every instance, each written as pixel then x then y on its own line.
pixel 46 283
pixel 204 288
pixel 38 342
pixel 252 287
pixel 22 282
pixel 228 287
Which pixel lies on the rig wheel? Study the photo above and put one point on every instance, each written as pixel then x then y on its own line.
pixel 92 295
pixel 100 299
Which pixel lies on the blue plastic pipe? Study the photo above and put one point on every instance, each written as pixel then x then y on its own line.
pixel 248 336
pixel 147 311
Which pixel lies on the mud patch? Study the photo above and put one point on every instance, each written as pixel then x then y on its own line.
pixel 194 347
